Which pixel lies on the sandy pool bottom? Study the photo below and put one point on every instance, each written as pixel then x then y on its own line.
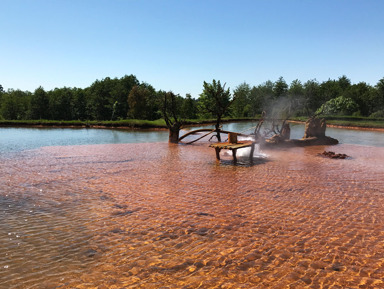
pixel 171 216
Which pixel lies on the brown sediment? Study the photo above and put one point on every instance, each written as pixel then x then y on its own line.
pixel 171 216
pixel 333 155
pixel 344 126
pixel 356 127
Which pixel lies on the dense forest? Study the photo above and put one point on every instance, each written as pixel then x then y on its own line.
pixel 128 98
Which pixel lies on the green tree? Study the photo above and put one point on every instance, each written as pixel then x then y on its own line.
pixel 14 105
pixel 379 90
pixel 296 89
pixel 144 102
pixel 297 100
pixel 338 106
pixel 280 87
pixel 39 104
pixel 61 103
pixel 189 107
pixel 255 102
pixel 344 83
pixel 261 97
pixel 242 106
pixel 365 97
pixel 137 101
pixel 328 90
pixel 100 100
pixel 79 104
pixel 119 93
pixel 312 96
pixel 215 99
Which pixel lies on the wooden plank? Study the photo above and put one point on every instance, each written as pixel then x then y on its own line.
pixel 232 146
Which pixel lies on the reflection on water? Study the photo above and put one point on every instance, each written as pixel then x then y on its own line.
pixel 171 216
pixel 19 139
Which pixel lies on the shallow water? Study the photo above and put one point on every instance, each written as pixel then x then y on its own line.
pixel 170 216
pixel 14 140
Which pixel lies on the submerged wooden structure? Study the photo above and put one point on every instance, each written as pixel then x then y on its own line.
pixel 233 145
pixel 314 135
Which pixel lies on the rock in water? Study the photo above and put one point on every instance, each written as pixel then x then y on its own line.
pixel 315 127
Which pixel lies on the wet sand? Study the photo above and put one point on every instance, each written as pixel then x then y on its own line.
pixel 171 216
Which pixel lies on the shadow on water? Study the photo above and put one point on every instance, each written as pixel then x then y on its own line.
pixel 243 162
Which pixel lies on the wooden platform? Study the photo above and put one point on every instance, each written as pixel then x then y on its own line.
pixel 233 147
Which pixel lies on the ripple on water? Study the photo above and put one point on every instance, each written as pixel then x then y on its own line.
pixel 157 215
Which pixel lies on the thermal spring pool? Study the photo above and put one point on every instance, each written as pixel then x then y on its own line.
pixel 154 215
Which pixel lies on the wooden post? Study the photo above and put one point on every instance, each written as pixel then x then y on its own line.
pixel 234 155
pixel 232 137
pixel 251 153
pixel 217 153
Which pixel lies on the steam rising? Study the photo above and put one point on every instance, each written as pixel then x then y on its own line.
pixel 244 152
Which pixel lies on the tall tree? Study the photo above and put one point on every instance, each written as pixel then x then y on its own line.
pixel 101 98
pixel 329 89
pixel 262 96
pixel 143 102
pixel 79 103
pixel 189 107
pixel 14 104
pixel 296 89
pixel 380 94
pixel 137 101
pixel 312 96
pixel 344 83
pixel 363 94
pixel 216 100
pixel 242 106
pixel 120 92
pixel 280 87
pixel 61 103
pixel 39 104
pixel 296 98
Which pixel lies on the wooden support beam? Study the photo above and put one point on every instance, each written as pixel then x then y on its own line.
pixel 234 155
pixel 217 149
pixel 233 147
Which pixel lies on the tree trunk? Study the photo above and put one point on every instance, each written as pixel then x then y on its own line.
pixel 174 134
pixel 217 127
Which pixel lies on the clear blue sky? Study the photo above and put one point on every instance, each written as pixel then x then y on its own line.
pixel 177 44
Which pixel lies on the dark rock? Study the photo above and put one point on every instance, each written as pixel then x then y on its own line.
pixel 333 155
pixel 204 214
pixel 90 253
pixel 315 127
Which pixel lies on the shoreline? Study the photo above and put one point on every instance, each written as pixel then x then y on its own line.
pixel 344 126
pixel 146 126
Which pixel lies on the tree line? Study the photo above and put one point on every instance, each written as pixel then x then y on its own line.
pixel 128 98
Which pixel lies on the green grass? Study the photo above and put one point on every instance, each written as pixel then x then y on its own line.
pixel 351 121
pixel 358 123
pixel 363 122
pixel 130 123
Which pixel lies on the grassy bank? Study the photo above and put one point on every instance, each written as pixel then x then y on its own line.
pixel 358 122
pixel 128 123
pixel 350 121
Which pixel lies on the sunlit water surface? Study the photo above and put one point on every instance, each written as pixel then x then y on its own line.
pixel 153 215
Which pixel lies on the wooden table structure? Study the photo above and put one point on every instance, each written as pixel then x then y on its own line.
pixel 233 147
